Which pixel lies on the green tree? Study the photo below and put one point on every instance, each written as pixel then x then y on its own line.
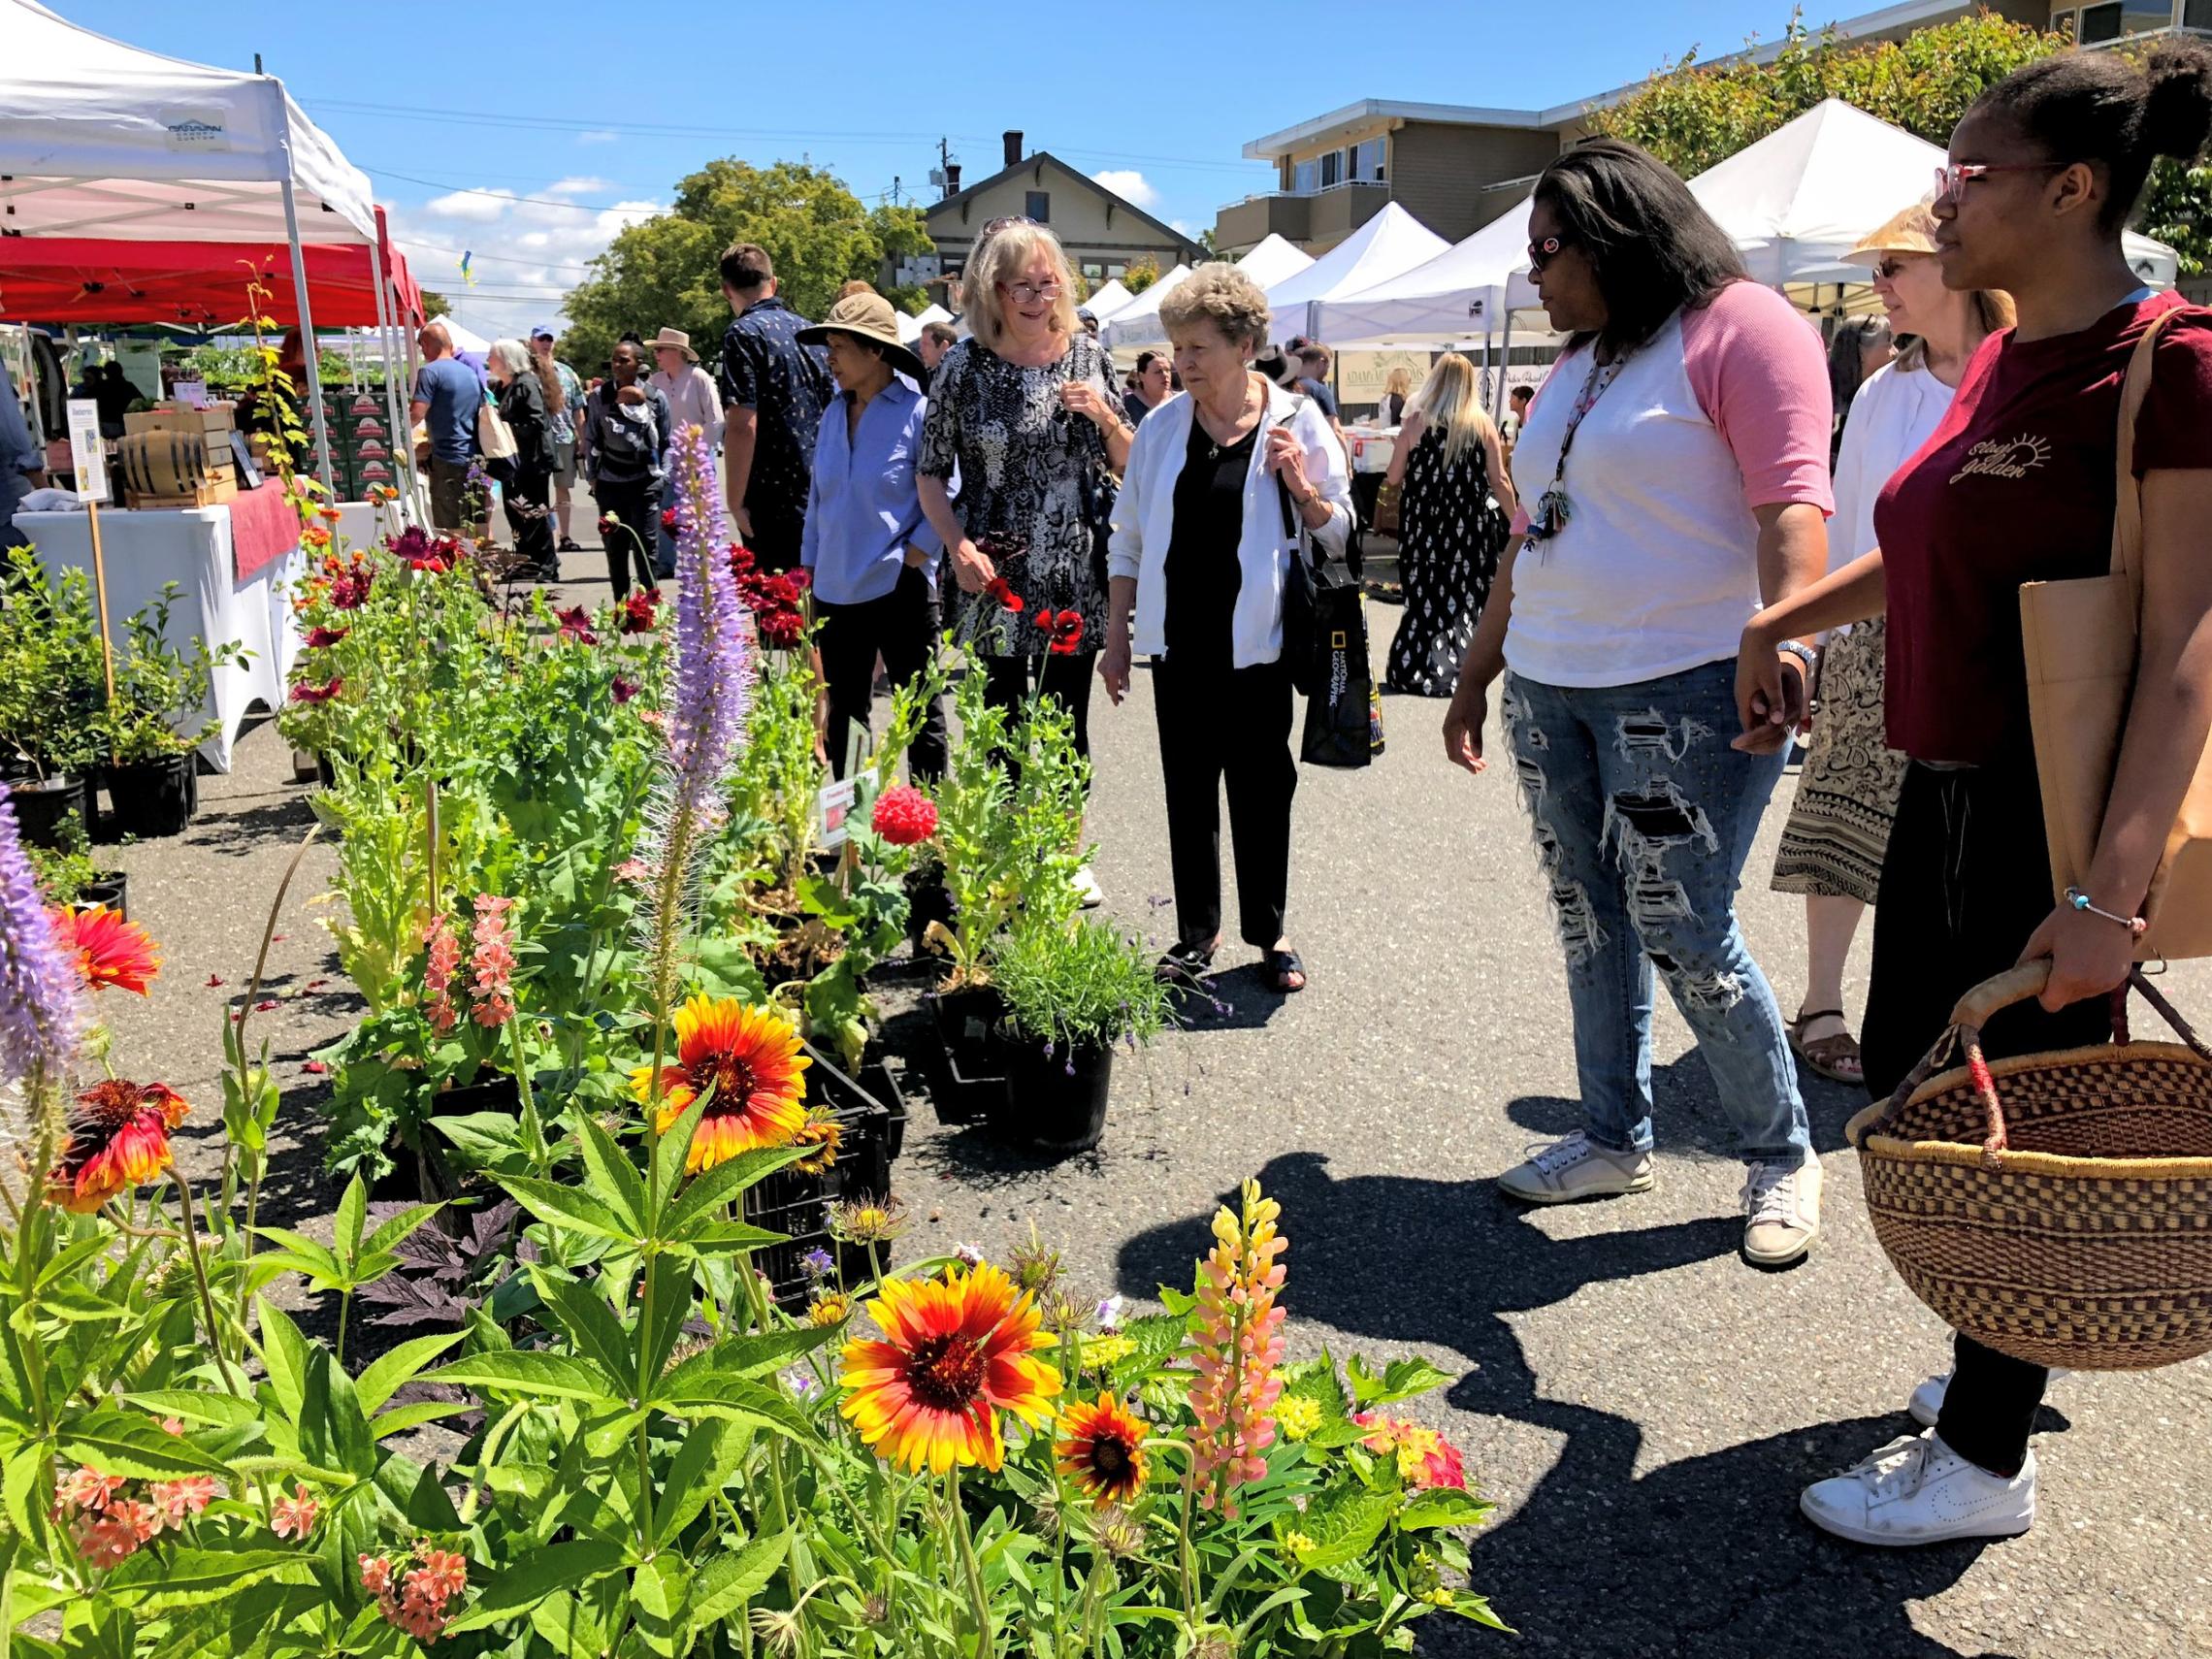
pixel 1142 274
pixel 435 305
pixel 663 272
pixel 1692 115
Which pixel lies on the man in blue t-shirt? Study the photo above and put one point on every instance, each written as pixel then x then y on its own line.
pixel 447 396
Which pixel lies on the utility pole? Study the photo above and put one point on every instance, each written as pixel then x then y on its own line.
pixel 894 189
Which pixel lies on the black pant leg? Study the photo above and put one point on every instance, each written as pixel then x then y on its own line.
pixel 1067 681
pixel 530 519
pixel 1193 739
pixel 848 643
pixel 613 502
pixel 906 640
pixel 1989 1407
pixel 646 505
pixel 1261 777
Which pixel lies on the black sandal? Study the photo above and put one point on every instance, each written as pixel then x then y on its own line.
pixel 1283 965
pixel 1185 966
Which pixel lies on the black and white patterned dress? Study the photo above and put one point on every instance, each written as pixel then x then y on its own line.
pixel 1451 534
pixel 1033 480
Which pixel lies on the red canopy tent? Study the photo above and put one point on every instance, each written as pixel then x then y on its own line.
pixel 198 284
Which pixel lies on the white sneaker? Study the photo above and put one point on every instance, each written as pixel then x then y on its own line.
pixel 1086 888
pixel 1918 1490
pixel 1782 1212
pixel 1577 1167
pixel 1926 1403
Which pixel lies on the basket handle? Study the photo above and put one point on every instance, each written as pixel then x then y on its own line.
pixel 1992 996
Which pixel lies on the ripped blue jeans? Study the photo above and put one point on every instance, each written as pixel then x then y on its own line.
pixel 1643 817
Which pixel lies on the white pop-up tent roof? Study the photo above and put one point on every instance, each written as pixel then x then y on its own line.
pixel 1137 323
pixel 1108 301
pixel 1796 201
pixel 1274 260
pixel 910 328
pixel 1459 296
pixel 100 138
pixel 1389 244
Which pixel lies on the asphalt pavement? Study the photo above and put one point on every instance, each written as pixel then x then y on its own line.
pixel 1641 1406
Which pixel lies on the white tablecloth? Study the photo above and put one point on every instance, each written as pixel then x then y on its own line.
pixel 191 546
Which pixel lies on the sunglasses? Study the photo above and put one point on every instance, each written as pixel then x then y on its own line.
pixel 1951 180
pixel 1889 270
pixel 1542 253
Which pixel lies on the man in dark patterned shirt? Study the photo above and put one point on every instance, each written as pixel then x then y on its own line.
pixel 773 391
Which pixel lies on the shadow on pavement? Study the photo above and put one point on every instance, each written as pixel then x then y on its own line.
pixel 1705 1556
pixel 1686 1114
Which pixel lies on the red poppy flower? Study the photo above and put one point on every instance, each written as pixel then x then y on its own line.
pixel 999 588
pixel 623 689
pixel 609 524
pixel 800 579
pixel 304 692
pixel 118 1137
pixel 1066 629
pixel 319 637
pixel 740 560
pixel 782 629
pixel 904 816
pixel 668 520
pixel 576 624
pixel 640 610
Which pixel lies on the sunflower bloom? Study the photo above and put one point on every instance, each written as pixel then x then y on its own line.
pixel 955 1352
pixel 119 1138
pixel 1103 1446
pixel 747 1065
pixel 110 950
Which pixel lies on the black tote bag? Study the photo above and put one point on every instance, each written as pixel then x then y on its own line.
pixel 1324 642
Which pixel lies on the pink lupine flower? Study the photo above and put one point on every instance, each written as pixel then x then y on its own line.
pixel 438 974
pixel 491 965
pixel 1238 1346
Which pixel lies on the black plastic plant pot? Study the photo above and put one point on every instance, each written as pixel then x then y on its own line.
pixel 967 1081
pixel 492 1092
pixel 150 798
pixel 111 887
pixel 326 774
pixel 1057 1095
pixel 43 806
pixel 926 902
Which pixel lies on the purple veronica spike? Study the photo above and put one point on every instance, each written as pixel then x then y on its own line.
pixel 39 1010
pixel 712 669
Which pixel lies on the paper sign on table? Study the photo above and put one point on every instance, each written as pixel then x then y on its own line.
pixel 86 449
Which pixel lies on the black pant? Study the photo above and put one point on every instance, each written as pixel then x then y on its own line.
pixel 1967 881
pixel 901 624
pixel 1066 680
pixel 1216 725
pixel 775 543
pixel 635 508
pixel 530 518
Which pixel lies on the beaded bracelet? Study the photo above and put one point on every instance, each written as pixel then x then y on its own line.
pixel 2079 899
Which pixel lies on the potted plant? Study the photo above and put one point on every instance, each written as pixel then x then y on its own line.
pixel 1072 990
pixel 67 876
pixel 147 732
pixel 50 694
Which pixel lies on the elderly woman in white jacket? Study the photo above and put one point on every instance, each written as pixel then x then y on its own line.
pixel 1221 480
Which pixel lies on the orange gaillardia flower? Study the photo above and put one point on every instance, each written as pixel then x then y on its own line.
pixel 118 1137
pixel 110 950
pixel 746 1061
pixel 1103 1446
pixel 955 1352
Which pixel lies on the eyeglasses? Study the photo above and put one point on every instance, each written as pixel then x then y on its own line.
pixel 1542 253
pixel 1950 181
pixel 1028 293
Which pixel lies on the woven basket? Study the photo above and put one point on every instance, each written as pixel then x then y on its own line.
pixel 2069 1224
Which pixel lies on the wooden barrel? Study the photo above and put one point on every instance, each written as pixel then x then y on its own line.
pixel 163 462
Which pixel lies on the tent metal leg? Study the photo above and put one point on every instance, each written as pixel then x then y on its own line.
pixel 307 329
pixel 402 451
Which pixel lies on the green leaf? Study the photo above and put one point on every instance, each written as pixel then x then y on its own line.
pixel 189 1575
pixel 609 1175
pixel 1401 1380
pixel 196 1406
pixel 1343 1522
pixel 571 1626
pixel 302 1254
pixel 25 1493
pixel 334 1434
pixel 352 1210
pixel 136 1447
pixel 657 1594
pixel 415 1491
pixel 716 1237
pixel 706 1392
pixel 1443 1506
pixel 567 1207
pixel 672 1151
pixel 756 1356
pixel 388 1371
pixel 487 1139
pixel 728 1583
pixel 283 1354
pixel 398 1228
pixel 399 1419
pixel 537 1576
pixel 705 1198
pixel 590 1325
pixel 530 1373
pixel 698 1473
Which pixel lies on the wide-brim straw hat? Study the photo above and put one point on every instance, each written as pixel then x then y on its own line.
pixel 1911 231
pixel 868 317
pixel 673 339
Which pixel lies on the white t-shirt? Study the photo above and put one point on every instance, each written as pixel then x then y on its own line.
pixel 1894 414
pixel 1725 409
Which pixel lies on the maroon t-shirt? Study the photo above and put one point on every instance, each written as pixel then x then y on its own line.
pixel 2016 486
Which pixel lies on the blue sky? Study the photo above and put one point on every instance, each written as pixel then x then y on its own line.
pixel 530 134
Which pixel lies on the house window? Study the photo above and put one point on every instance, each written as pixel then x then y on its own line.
pixel 2099 24
pixel 1306 178
pixel 1332 168
pixel 1038 206
pixel 1367 161
pixel 2065 22
pixel 2197 13
pixel 1116 268
pixel 1093 271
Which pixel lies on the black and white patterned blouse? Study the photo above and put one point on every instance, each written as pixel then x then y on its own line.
pixel 1036 487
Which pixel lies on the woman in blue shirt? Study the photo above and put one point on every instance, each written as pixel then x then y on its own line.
pixel 872 556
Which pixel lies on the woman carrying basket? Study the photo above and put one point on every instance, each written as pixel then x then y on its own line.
pixel 2016 486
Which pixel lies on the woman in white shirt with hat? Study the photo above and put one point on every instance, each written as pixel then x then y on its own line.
pixel 693 400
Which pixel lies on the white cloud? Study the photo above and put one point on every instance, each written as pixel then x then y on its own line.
pixel 583 186
pixel 1183 226
pixel 597 136
pixel 1129 184
pixel 476 206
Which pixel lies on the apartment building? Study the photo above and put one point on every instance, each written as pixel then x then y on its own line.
pixel 1457 168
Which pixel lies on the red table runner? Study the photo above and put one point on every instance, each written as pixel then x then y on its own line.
pixel 264 527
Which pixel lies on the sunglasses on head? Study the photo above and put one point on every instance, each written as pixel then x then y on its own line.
pixel 1542 253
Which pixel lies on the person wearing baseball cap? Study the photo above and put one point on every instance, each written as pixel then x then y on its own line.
pixel 871 553
pixel 567 421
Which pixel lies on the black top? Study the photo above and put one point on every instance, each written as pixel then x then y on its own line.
pixel 1202 569
pixel 787 385
pixel 522 406
pixel 1135 407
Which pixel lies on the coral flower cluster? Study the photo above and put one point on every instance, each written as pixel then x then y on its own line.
pixel 108 1521
pixel 489 982
pixel 414 1591
pixel 1424 1457
pixel 1238 1348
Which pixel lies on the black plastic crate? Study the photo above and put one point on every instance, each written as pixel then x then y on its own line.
pixel 873 1117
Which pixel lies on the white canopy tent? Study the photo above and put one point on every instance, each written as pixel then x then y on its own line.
pixel 1274 260
pixel 1137 324
pixel 465 338
pixel 100 138
pixel 1109 301
pixel 1389 244
pixel 1796 201
pixel 1458 298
